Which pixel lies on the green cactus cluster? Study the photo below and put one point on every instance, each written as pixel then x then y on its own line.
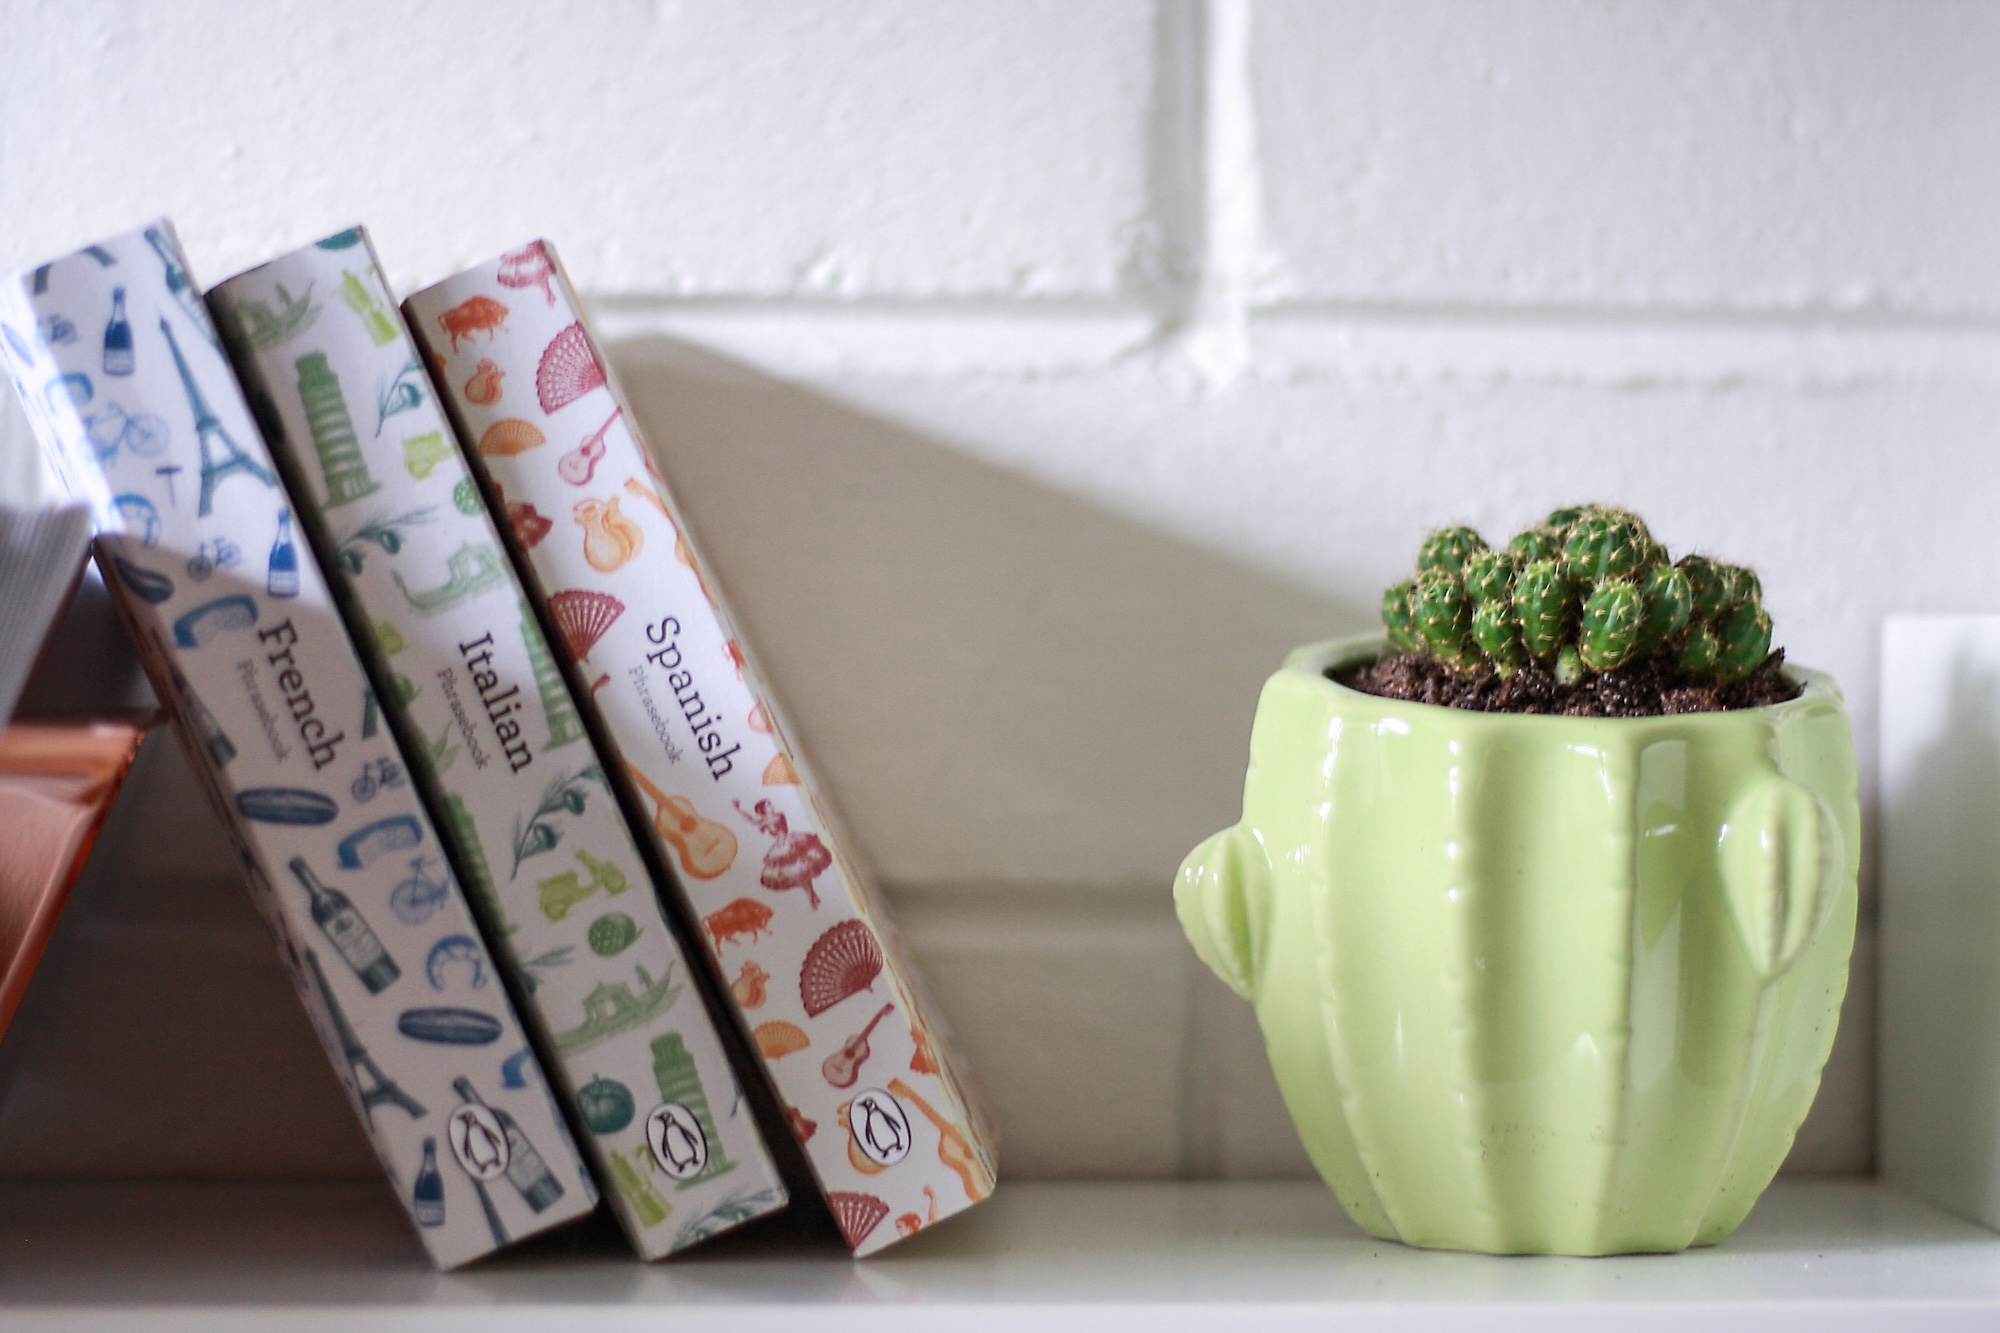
pixel 1585 590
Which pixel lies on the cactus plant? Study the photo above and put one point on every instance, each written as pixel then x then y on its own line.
pixel 1448 548
pixel 1543 598
pixel 1398 617
pixel 1443 615
pixel 1488 576
pixel 1586 590
pixel 1496 634
pixel 1669 602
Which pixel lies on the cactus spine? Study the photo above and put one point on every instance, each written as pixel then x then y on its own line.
pixel 1588 589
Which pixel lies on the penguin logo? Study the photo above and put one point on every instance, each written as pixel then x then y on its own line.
pixel 478 1142
pixel 880 1129
pixel 679 1145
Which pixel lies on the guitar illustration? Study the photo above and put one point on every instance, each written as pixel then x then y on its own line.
pixel 578 465
pixel 844 1065
pixel 705 848
pixel 953 1150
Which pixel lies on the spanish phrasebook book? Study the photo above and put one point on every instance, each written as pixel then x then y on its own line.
pixel 496 741
pixel 833 1004
pixel 126 386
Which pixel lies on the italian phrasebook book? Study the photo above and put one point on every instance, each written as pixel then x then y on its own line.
pixel 869 1086
pixel 496 741
pixel 127 387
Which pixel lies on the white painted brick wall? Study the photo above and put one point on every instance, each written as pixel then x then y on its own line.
pixel 846 150
pixel 1782 155
pixel 1037 374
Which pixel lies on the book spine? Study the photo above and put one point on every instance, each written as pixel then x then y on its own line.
pixel 497 742
pixel 870 1087
pixel 240 637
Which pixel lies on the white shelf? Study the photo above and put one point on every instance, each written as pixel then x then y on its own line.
pixel 1220 1255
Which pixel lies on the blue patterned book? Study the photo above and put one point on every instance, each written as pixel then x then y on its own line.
pixel 127 388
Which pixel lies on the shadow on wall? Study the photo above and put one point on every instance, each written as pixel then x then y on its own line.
pixel 1947 848
pixel 995 681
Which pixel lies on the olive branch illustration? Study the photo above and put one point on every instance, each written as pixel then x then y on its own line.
pixel 386 533
pixel 564 795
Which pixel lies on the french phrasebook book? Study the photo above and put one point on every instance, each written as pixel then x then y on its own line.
pixel 127 388
pixel 868 1084
pixel 496 742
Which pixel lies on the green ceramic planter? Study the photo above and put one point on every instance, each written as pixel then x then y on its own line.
pixel 1534 984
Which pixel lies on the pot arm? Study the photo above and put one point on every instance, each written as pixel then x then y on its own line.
pixel 1223 898
pixel 1781 859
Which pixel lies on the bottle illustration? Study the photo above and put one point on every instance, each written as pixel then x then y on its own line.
pixel 118 337
pixel 631 1180
pixel 339 450
pixel 283 577
pixel 352 938
pixel 375 316
pixel 427 1196
pixel 525 1169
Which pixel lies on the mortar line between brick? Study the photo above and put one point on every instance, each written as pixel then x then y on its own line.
pixel 1389 315
pixel 1209 331
pixel 1624 318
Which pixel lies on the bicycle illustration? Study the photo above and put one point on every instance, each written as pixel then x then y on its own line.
pixel 113 428
pixel 421 894
pixel 375 775
pixel 210 556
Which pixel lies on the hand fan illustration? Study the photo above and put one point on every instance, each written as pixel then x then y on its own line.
pixel 569 369
pixel 858 1214
pixel 844 961
pixel 509 436
pixel 777 1038
pixel 583 616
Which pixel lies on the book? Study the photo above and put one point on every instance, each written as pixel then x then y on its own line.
pixel 241 640
pixel 58 777
pixel 496 742
pixel 870 1088
pixel 42 555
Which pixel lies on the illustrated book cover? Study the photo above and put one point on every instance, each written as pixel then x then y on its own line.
pixel 870 1090
pixel 127 388
pixel 497 742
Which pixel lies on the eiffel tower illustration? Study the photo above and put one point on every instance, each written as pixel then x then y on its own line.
pixel 228 458
pixel 379 1087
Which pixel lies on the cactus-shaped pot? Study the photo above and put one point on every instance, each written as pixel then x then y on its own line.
pixel 1537 984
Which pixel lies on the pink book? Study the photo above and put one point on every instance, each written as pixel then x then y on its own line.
pixel 832 1001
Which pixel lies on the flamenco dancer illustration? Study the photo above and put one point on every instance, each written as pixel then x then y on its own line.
pixel 795 859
